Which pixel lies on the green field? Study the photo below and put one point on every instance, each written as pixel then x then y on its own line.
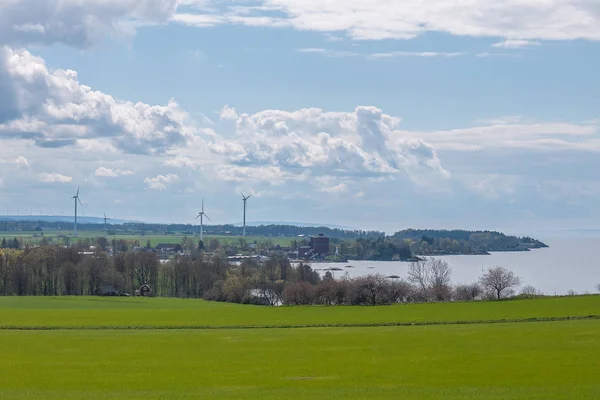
pixel 35 237
pixel 156 312
pixel 106 356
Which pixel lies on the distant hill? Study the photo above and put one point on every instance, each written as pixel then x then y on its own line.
pixel 61 218
pixel 298 224
pixel 438 242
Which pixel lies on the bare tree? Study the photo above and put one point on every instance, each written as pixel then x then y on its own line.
pixel 530 291
pixel 468 292
pixel 598 287
pixel 499 280
pixel 439 279
pixel 418 275
pixel 432 277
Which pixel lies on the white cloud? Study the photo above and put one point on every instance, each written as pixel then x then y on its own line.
pixel 181 162
pixel 160 181
pixel 52 109
pixel 55 178
pixel 337 189
pixel 377 56
pixel 109 173
pixel 504 134
pixel 228 113
pixel 329 52
pixel 427 54
pixel 75 22
pixel 361 143
pixel 332 38
pixel 22 162
pixel 359 19
pixel 515 44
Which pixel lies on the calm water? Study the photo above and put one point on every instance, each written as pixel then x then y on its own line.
pixel 568 264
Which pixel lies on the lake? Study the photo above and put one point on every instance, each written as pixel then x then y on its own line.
pixel 568 264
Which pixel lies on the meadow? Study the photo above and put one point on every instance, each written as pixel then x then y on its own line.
pixel 106 348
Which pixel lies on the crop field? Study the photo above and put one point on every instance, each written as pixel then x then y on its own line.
pixel 107 348
pixel 35 237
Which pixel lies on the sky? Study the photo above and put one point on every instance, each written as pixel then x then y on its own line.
pixel 374 114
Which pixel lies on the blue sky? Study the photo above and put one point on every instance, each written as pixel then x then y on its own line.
pixel 439 113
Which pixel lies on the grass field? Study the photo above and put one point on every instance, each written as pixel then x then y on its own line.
pixel 155 312
pixel 35 238
pixel 509 360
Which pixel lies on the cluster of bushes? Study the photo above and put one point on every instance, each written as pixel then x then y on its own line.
pixel 427 280
pixel 54 270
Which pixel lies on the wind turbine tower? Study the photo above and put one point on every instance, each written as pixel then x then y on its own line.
pixel 201 215
pixel 105 224
pixel 76 198
pixel 245 199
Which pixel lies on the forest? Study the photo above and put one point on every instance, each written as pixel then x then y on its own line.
pixel 444 242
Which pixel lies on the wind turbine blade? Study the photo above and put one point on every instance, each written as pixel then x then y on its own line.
pixel 243 195
pixel 105 216
pixel 207 217
pixel 79 200
pixel 248 197
pixel 77 190
pixel 197 216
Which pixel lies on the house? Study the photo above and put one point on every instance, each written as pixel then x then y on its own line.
pixel 106 290
pixel 305 252
pixel 169 248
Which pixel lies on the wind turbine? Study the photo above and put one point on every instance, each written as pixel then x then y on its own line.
pixel 105 224
pixel 76 198
pixel 201 215
pixel 245 199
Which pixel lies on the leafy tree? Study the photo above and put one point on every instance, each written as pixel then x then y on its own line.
pixel 3 245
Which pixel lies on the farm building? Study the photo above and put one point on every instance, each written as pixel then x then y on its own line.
pixel 106 290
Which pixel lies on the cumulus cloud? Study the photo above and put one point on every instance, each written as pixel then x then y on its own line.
pixel 314 143
pixel 109 173
pixel 55 178
pixel 511 19
pixel 75 22
pixel 160 182
pixel 52 109
pixel 228 113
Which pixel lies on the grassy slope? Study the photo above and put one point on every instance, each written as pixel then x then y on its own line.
pixel 95 311
pixel 557 360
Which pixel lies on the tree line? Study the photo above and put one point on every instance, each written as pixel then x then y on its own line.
pixel 54 270
pixel 139 228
